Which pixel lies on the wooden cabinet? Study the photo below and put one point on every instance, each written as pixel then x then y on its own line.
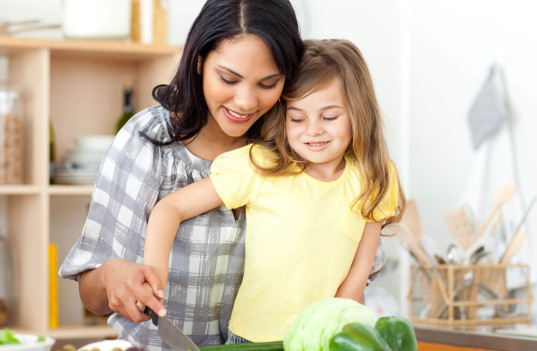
pixel 76 86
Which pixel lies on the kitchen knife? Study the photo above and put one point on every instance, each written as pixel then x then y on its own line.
pixel 170 333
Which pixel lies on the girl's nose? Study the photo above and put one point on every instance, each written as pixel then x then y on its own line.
pixel 245 99
pixel 313 128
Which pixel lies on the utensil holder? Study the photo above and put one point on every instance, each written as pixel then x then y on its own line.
pixel 469 295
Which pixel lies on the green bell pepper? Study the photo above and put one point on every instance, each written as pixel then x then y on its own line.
pixel 398 332
pixel 358 337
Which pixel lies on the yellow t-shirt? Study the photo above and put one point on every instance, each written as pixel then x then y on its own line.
pixel 301 238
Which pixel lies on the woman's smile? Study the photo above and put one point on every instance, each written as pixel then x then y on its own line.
pixel 237 117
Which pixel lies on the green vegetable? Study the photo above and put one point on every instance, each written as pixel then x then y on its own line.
pixel 358 337
pixel 398 333
pixel 41 338
pixel 7 337
pixel 260 346
pixel 315 325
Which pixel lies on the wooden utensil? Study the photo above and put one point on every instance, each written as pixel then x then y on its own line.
pixel 460 226
pixel 411 219
pixel 514 245
pixel 502 195
pixel 411 224
pixel 518 237
pixel 406 237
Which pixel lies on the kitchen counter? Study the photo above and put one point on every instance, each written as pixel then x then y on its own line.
pixel 431 338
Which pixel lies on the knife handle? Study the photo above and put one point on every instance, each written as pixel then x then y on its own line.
pixel 152 314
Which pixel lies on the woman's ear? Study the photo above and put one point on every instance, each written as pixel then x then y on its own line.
pixel 199 65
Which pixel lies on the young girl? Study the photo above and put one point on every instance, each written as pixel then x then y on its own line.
pixel 317 192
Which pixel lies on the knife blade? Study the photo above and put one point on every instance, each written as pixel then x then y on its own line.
pixel 170 333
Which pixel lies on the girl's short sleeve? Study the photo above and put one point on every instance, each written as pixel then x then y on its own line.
pixel 234 178
pixel 389 203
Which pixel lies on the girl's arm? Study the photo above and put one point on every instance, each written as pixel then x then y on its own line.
pixel 354 284
pixel 168 213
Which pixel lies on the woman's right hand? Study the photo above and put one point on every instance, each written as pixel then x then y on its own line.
pixel 123 287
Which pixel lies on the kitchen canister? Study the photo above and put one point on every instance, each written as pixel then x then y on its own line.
pixel 6 282
pixel 11 131
pixel 96 19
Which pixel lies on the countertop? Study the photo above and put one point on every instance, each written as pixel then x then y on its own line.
pixel 473 339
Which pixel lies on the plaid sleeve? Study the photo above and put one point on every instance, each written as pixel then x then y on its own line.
pixel 126 190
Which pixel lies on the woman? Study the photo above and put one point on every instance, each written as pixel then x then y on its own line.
pixel 232 71
pixel 233 68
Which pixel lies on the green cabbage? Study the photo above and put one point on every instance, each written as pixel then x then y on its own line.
pixel 315 325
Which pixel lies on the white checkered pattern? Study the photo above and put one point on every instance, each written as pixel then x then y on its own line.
pixel 205 268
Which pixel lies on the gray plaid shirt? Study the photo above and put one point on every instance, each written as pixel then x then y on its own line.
pixel 207 255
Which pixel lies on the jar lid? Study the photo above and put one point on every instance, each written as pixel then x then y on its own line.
pixel 7 100
pixel 8 94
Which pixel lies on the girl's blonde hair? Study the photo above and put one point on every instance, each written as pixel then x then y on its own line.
pixel 324 60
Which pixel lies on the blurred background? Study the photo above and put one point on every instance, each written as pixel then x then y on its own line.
pixel 455 81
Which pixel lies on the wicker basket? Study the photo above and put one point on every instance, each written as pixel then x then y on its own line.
pixel 452 295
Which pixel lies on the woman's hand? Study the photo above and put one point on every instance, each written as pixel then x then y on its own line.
pixel 123 287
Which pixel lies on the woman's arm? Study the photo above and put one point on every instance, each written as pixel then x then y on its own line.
pixel 354 284
pixel 168 213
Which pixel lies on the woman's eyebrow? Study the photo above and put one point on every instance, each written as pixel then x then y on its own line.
pixel 240 76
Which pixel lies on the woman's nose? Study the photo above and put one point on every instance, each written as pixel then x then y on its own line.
pixel 245 99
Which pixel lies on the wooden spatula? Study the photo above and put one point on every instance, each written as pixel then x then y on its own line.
pixel 513 246
pixel 501 196
pixel 460 226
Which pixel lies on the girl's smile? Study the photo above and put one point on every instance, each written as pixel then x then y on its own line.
pixel 317 146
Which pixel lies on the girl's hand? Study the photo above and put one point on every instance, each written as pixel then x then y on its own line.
pixel 132 286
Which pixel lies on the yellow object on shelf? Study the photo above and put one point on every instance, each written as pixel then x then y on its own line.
pixel 53 285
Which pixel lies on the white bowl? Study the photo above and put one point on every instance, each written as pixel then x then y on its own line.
pixel 28 342
pixel 107 345
pixel 95 142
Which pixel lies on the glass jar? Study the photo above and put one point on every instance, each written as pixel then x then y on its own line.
pixel 11 136
pixel 6 283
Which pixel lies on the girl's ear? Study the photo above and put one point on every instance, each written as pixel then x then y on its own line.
pixel 199 65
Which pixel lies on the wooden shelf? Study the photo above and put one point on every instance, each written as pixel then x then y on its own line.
pixel 19 190
pixel 123 50
pixel 76 331
pixel 71 189
pixel 75 86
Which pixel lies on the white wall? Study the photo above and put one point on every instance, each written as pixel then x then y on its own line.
pixel 428 59
pixel 452 45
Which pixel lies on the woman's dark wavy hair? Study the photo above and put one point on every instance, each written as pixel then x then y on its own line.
pixel 274 21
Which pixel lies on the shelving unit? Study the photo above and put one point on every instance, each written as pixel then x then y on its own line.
pixel 76 86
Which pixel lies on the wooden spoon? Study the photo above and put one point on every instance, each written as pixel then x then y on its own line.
pixel 514 245
pixel 406 237
pixel 502 195
pixel 411 219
